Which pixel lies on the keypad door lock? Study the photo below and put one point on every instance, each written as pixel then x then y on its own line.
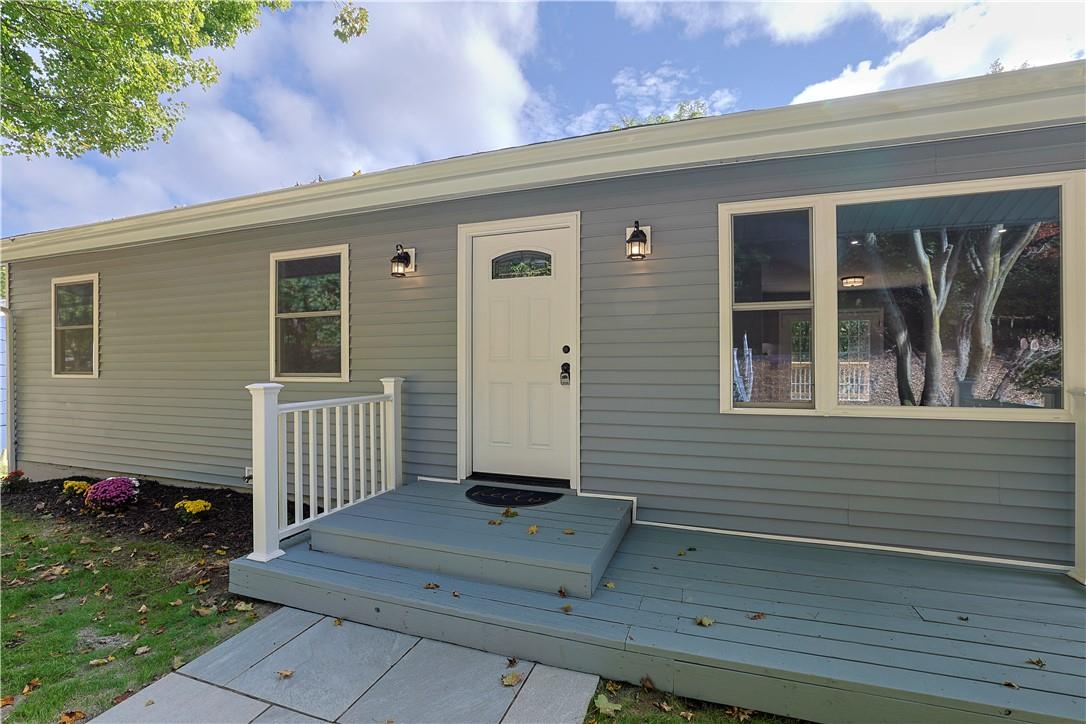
pixel 563 378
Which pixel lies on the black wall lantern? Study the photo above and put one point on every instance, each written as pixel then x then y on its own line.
pixel 403 262
pixel 638 242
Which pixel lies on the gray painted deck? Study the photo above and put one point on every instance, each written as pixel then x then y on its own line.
pixel 846 635
pixel 433 527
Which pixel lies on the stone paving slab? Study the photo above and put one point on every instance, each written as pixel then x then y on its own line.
pixel 440 682
pixel 554 696
pixel 279 715
pixel 332 665
pixel 239 653
pixel 176 699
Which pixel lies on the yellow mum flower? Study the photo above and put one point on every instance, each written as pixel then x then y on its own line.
pixel 76 487
pixel 193 507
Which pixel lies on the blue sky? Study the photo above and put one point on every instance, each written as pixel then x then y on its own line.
pixel 435 80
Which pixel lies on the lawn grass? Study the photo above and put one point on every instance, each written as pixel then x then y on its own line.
pixel 72 594
pixel 643 706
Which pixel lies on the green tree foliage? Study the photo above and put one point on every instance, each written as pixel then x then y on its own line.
pixel 82 75
pixel 684 111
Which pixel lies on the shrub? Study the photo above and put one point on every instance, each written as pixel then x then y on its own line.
pixel 15 477
pixel 76 487
pixel 112 493
pixel 192 508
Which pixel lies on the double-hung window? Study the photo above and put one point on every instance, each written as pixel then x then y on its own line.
pixel 309 314
pixel 939 300
pixel 75 326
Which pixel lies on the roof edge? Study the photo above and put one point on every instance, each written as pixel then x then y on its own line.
pixel 1031 98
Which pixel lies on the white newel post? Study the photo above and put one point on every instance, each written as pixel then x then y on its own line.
pixel 393 429
pixel 265 471
pixel 1078 408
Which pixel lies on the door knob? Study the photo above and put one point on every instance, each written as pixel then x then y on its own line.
pixel 563 377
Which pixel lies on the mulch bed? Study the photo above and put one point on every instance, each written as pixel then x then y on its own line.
pixel 228 525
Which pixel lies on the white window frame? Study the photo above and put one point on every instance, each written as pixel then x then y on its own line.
pixel 61 282
pixel 1072 185
pixel 343 251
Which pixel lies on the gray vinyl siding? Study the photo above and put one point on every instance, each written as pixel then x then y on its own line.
pixel 184 327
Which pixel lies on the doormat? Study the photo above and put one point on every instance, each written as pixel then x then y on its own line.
pixel 509 497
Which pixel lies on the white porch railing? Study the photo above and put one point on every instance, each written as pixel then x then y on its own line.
pixel 304 458
pixel 1078 408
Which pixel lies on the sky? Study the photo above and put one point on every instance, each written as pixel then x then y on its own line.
pixel 431 81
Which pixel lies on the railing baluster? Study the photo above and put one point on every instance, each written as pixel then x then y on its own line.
pixel 366 490
pixel 339 457
pixel 297 467
pixel 350 455
pixel 281 473
pixel 373 446
pixel 312 463
pixel 325 463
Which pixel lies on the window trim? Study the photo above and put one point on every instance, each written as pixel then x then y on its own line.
pixel 343 251
pixel 1072 185
pixel 96 331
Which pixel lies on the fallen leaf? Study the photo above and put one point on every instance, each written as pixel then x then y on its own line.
pixel 7 700
pixel 31 685
pixel 509 513
pixel 202 582
pixel 231 621
pixel 609 584
pixel 243 606
pixel 533 529
pixel 285 673
pixel 688 715
pixel 663 706
pixel 703 621
pixel 739 713
pixel 146 528
pixel 496 521
pixel 511 662
pixel 58 596
pixel 220 552
pixel 431 586
pixel 646 683
pixel 606 706
pixel 681 553
pixel 567 608
pixel 612 686
pixel 562 592
pixel 337 622
pixel 71 716
pixel 115 549
pixel 1011 685
pixel 149 702
pixel 121 697
pixel 102 662
pixel 512 678
pixel 176 663
pixel 756 616
pixel 691 549
pixel 569 531
pixel 963 618
pixel 142 650
pixel 1038 662
pixel 142 609
pixel 456 594
pixel 202 611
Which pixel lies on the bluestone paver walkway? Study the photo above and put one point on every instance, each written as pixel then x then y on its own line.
pixel 296 667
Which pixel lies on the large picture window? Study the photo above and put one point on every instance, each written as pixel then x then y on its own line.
pixel 75 326
pixel 309 314
pixel 947 300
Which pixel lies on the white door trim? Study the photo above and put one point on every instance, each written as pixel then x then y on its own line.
pixel 466 234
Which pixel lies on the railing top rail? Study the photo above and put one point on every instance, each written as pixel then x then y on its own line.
pixel 337 402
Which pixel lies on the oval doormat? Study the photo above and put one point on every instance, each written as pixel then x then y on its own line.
pixel 509 497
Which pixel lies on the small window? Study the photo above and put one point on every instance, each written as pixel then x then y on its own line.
pixel 75 326
pixel 771 360
pixel 309 318
pixel 518 264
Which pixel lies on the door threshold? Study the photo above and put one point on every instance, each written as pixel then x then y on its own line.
pixel 525 482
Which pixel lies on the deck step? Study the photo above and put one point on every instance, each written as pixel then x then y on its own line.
pixel 565 544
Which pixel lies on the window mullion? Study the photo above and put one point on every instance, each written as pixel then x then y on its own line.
pixel 824 291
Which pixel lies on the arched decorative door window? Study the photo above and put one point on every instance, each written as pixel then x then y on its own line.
pixel 521 263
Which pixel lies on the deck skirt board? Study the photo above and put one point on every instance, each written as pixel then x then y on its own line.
pixel 842 639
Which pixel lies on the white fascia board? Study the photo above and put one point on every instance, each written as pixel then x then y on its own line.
pixel 1033 98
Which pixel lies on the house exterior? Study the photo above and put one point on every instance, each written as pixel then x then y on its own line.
pixel 767 369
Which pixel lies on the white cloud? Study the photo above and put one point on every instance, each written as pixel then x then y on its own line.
pixel 428 80
pixel 785 22
pixel 965 45
pixel 649 93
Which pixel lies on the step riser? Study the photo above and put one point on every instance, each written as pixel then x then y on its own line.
pixel 490 569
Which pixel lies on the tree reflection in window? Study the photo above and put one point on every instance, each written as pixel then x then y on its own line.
pixel 521 263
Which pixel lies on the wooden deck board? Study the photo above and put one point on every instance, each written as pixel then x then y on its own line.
pixel 841 634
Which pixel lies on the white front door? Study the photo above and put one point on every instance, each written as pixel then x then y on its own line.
pixel 522 335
